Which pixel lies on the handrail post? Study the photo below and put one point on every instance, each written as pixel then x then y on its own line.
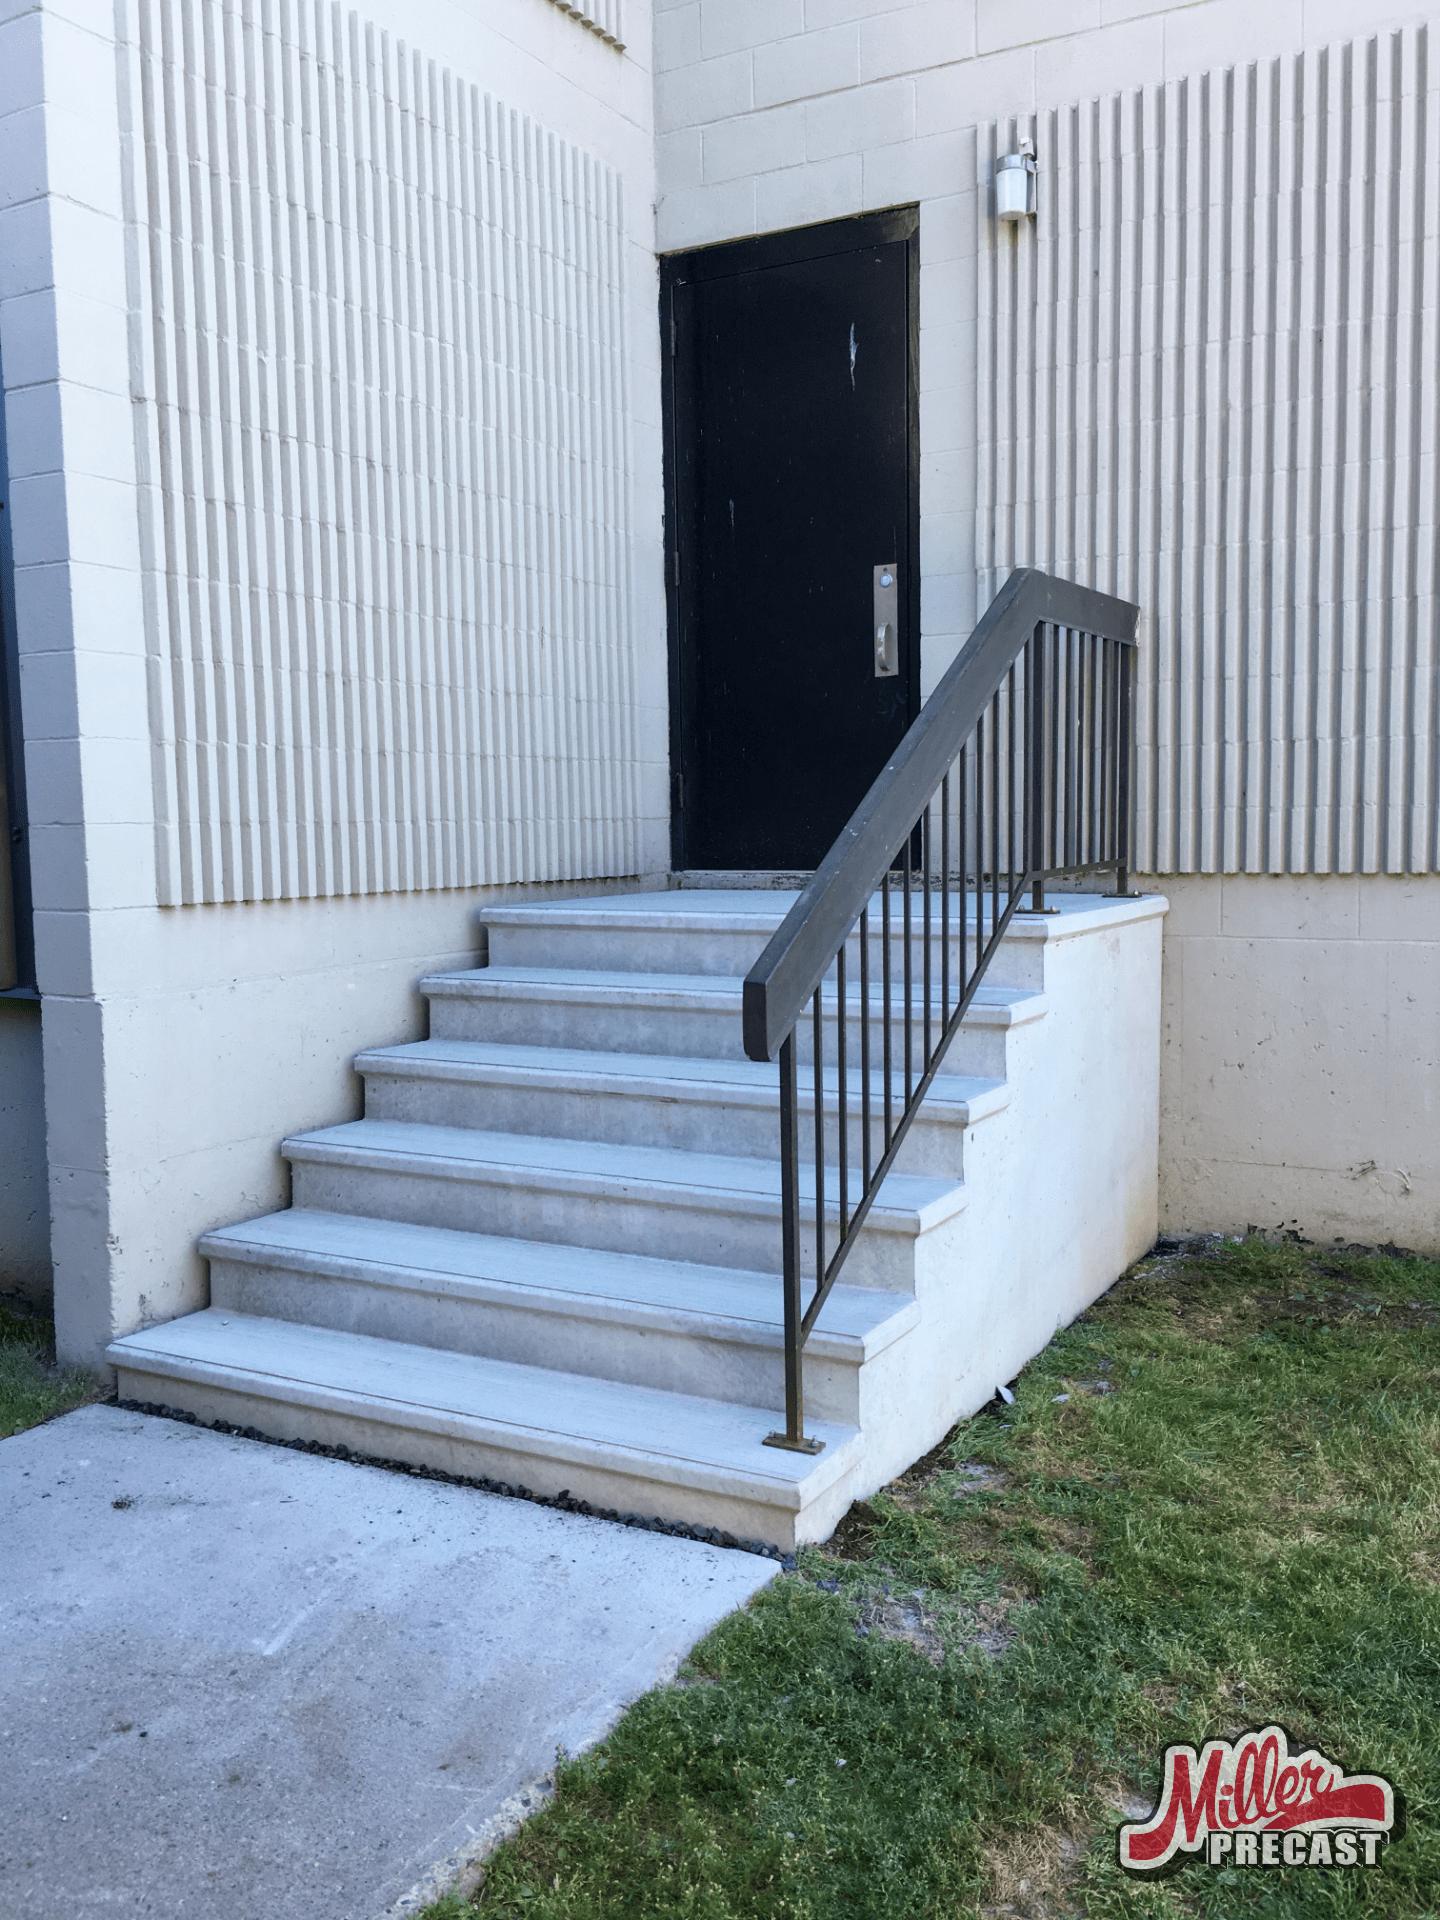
pixel 1122 824
pixel 1035 683
pixel 794 1435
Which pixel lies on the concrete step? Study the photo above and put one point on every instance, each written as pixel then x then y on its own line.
pixel 635 1449
pixel 643 1099
pixel 687 1015
pixel 721 1209
pixel 679 1326
pixel 725 931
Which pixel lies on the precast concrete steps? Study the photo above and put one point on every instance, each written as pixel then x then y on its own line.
pixel 643 933
pixel 591 1193
pixel 549 1253
pixel 636 1449
pixel 681 1325
pixel 682 1014
pixel 644 1099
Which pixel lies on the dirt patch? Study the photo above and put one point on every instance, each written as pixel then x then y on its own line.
pixel 1066 1536
pixel 854 1538
pixel 1346 1309
pixel 926 1623
pixel 1163 1694
pixel 1034 1874
pixel 975 1478
pixel 910 1616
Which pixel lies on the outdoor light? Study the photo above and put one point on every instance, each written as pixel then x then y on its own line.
pixel 1015 184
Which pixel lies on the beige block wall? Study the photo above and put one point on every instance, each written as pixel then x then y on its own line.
pixel 1300 1064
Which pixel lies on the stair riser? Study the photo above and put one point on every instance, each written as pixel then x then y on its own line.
pixel 685 1230
pixel 673 1360
pixel 490 1013
pixel 690 1122
pixel 485 1458
pixel 732 953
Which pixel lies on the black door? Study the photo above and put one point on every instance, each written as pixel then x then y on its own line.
pixel 791 479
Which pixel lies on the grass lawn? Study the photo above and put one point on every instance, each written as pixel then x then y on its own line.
pixel 1234 1518
pixel 32 1387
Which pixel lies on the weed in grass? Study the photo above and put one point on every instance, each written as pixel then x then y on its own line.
pixel 1214 1503
pixel 32 1387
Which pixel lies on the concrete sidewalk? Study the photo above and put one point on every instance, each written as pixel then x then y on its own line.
pixel 243 1683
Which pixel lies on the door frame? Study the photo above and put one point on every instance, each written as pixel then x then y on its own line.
pixel 720 261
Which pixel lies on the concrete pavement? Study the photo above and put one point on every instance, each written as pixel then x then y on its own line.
pixel 239 1682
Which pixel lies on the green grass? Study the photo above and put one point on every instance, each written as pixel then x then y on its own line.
pixel 1244 1530
pixel 32 1387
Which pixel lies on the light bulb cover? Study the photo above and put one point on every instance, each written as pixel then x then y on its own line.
pixel 1015 186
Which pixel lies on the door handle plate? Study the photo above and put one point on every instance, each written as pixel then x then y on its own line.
pixel 886 621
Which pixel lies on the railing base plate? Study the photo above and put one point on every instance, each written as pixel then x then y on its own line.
pixel 803 1445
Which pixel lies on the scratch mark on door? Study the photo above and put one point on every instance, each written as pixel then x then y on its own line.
pixel 853 351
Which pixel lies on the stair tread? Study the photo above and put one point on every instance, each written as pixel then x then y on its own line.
pixel 855 1321
pixel 532 1409
pixel 746 909
pixel 729 909
pixel 965 1096
pixel 761 910
pixel 910 1201
pixel 992 1005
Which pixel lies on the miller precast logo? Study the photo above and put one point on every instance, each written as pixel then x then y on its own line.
pixel 1251 1803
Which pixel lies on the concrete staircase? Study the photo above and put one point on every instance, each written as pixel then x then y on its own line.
pixel 548 1255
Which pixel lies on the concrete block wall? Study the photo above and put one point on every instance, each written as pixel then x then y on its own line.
pixel 181 1043
pixel 1300 1056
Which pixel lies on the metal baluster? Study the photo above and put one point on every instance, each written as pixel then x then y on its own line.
pixel 926 970
pixel 843 1112
pixel 1105 756
pixel 961 830
pixel 1035 752
pixel 885 987
pixel 865 1048
pixel 1121 659
pixel 979 843
pixel 1072 757
pixel 1077 735
pixel 1082 745
pixel 1010 790
pixel 909 970
pixel 819 1064
pixel 1122 865
pixel 1092 734
pixel 995 819
pixel 945 903
pixel 1092 742
pixel 1057 748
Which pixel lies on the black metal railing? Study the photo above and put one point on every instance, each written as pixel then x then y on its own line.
pixel 1017 767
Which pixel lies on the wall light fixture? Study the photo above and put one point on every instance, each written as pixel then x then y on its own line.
pixel 1015 184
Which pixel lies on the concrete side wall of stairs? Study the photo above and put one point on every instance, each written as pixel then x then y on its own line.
pixel 548 1255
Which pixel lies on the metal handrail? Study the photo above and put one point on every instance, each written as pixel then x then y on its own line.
pixel 1050 667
